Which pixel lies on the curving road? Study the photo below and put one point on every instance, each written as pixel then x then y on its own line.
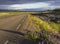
pixel 11 23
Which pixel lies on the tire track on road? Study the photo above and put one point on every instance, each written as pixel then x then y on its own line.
pixel 20 26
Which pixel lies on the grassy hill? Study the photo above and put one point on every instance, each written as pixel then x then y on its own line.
pixel 48 32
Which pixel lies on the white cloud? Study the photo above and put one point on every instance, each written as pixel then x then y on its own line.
pixel 29 5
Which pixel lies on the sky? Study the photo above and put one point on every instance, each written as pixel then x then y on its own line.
pixel 29 4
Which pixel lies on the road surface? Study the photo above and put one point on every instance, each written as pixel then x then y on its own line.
pixel 11 23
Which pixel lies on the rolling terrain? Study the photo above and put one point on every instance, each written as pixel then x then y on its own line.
pixel 29 28
pixel 9 25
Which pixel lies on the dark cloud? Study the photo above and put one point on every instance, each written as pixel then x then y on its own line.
pixel 54 2
pixel 57 3
pixel 19 1
pixel 2 2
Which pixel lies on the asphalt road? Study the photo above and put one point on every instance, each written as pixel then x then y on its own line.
pixel 11 23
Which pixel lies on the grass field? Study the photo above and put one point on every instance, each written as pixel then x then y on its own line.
pixel 46 29
pixel 10 13
pixel 45 25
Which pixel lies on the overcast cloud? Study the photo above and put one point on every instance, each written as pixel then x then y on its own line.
pixel 20 1
pixel 29 4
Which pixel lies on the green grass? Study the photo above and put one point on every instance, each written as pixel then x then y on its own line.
pixel 32 36
pixel 55 26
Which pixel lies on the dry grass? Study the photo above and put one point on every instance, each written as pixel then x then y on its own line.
pixel 10 13
pixel 48 28
pixel 45 25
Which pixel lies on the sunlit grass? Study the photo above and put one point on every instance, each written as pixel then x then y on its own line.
pixel 3 14
pixel 55 26
pixel 47 30
pixel 10 13
pixel 45 25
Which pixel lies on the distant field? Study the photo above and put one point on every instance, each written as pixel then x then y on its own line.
pixel 10 13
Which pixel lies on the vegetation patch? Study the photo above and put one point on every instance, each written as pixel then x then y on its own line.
pixel 2 14
pixel 49 31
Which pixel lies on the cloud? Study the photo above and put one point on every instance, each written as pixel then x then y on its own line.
pixel 29 4
pixel 20 1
